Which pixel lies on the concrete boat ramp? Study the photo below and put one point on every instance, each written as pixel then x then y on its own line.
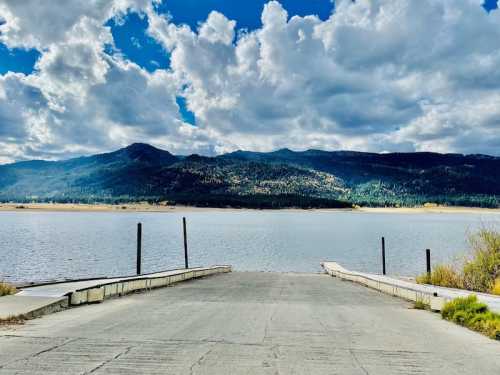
pixel 247 323
pixel 39 300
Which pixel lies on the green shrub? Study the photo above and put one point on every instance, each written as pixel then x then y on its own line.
pixel 458 304
pixel 460 317
pixel 491 328
pixel 475 315
pixel 6 289
pixel 479 272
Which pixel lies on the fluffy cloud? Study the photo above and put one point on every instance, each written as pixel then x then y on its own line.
pixel 37 24
pixel 378 75
pixel 79 99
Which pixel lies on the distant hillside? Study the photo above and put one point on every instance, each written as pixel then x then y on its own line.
pixel 249 179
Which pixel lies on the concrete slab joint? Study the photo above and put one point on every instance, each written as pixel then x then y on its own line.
pixel 95 295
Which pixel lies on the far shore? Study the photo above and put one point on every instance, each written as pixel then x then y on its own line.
pixel 144 207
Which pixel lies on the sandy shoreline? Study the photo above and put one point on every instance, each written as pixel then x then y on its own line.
pixel 431 210
pixel 142 207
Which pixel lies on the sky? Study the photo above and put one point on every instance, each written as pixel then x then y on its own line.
pixel 214 76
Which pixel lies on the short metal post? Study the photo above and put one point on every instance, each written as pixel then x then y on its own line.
pixel 383 256
pixel 428 259
pixel 186 262
pixel 139 247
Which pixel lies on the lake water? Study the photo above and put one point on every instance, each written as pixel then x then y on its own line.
pixel 38 246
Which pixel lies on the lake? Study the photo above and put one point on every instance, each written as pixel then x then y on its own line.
pixel 43 245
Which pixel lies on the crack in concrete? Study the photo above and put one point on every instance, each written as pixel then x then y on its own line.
pixel 51 348
pixel 275 352
pixel 273 314
pixel 217 341
pixel 266 329
pixel 122 353
pixel 199 360
pixel 356 360
pixel 34 355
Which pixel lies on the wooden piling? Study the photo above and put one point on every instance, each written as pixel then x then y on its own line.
pixel 428 261
pixel 383 256
pixel 186 262
pixel 139 247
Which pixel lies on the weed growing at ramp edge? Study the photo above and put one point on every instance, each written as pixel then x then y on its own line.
pixel 474 315
pixel 6 289
pixel 420 305
pixel 13 320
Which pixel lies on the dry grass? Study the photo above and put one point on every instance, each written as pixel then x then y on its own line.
pixel 7 289
pixel 479 272
pixel 442 275
pixel 482 269
pixel 420 305
pixel 13 320
pixel 496 287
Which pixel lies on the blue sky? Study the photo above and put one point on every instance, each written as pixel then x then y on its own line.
pixel 369 75
pixel 17 59
pixel 246 13
pixel 131 39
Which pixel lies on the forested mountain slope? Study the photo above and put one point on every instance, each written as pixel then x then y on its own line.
pixel 277 179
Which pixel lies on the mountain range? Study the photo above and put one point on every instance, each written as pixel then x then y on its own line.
pixel 283 178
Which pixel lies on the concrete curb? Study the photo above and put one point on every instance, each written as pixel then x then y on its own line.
pixel 435 297
pixel 33 302
pixel 14 307
pixel 99 293
pixel 48 309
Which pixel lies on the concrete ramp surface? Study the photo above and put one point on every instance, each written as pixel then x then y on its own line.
pixel 248 323
pixel 39 300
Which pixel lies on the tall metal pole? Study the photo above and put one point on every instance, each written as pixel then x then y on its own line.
pixel 139 247
pixel 428 261
pixel 383 256
pixel 186 262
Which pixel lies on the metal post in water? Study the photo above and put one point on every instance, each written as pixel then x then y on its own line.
pixel 383 256
pixel 139 247
pixel 186 262
pixel 428 259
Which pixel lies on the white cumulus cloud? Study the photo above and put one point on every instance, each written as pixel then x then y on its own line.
pixel 378 75
pixel 79 99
